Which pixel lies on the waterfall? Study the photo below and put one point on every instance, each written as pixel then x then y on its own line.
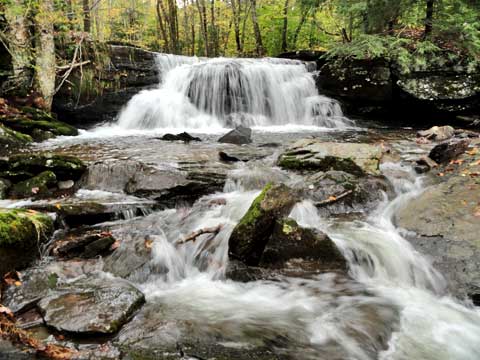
pixel 223 92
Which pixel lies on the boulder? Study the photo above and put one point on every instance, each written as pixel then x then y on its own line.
pixel 425 164
pixel 290 241
pixel 249 238
pixel 444 223
pixel 64 167
pixel 437 133
pixel 37 186
pixel 315 155
pixel 21 232
pixel 448 150
pixel 223 156
pixel 84 244
pixel 337 192
pixel 90 306
pixel 10 140
pixel 238 136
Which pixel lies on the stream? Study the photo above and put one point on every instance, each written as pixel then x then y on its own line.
pixel 392 304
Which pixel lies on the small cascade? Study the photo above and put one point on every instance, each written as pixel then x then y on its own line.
pixel 223 92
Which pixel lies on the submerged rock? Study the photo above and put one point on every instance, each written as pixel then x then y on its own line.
pixel 448 150
pixel 239 136
pixel 186 137
pixel 223 156
pixel 315 155
pixel 93 305
pixel 249 238
pixel 21 232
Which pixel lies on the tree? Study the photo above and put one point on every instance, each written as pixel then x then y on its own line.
pixel 429 18
pixel 260 50
pixel 285 27
pixel 86 16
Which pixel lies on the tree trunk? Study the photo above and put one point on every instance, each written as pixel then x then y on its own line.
pixel 256 29
pixel 161 26
pixel 285 27
pixel 429 18
pixel 300 25
pixel 20 48
pixel 86 16
pixel 202 12
pixel 213 30
pixel 236 25
pixel 45 52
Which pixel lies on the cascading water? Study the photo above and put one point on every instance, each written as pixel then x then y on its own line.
pixel 222 92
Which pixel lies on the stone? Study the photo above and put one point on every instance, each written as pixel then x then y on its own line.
pixel 448 150
pixel 249 238
pixel 223 156
pixel 11 140
pixel 91 306
pixel 315 155
pixel 37 186
pixel 290 241
pixel 238 136
pixel 21 232
pixel 65 185
pixel 185 137
pixel 64 167
pixel 86 245
pixel 437 133
pixel 425 164
pixel 443 222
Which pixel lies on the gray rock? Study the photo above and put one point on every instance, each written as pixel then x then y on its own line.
pixel 448 150
pixel 240 135
pixel 94 305
pixel 316 155
pixel 437 133
pixel 65 185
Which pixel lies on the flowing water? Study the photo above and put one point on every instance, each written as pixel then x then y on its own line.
pixel 393 305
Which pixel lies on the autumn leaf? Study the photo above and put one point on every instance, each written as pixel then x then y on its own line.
pixel 148 243
pixel 6 311
pixel 35 190
pixel 115 245
pixel 474 151
pixel 441 174
pixel 332 198
pixel 12 278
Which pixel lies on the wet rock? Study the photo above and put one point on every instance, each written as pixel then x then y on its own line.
pixel 444 223
pixel 425 164
pixel 437 133
pixel 448 150
pixel 40 130
pixel 38 186
pixel 86 245
pixel 64 167
pixel 4 187
pixel 290 241
pixel 315 155
pixel 10 351
pixel 185 137
pixel 227 158
pixel 337 192
pixel 239 136
pixel 249 238
pixel 38 281
pixel 65 185
pixel 21 232
pixel 93 305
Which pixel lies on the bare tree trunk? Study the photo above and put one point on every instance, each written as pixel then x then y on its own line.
pixel 45 52
pixel 429 18
pixel 236 25
pixel 285 27
pixel 19 47
pixel 86 16
pixel 161 26
pixel 256 29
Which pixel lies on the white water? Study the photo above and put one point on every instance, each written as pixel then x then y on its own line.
pixel 197 93
pixel 329 317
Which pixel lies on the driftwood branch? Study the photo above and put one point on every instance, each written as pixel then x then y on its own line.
pixel 193 236
pixel 72 66
pixel 333 199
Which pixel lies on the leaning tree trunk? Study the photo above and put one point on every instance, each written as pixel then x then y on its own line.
pixel 45 52
pixel 19 47
pixel 429 18
pixel 256 29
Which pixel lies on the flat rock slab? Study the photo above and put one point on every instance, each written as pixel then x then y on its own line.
pixel 314 155
pixel 94 305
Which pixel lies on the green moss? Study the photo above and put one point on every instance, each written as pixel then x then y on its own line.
pixel 255 210
pixel 38 185
pixel 23 227
pixel 52 280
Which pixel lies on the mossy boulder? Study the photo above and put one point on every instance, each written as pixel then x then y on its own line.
pixel 315 155
pixel 64 167
pixel 290 241
pixel 37 186
pixel 11 139
pixel 20 233
pixel 37 123
pixel 250 236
